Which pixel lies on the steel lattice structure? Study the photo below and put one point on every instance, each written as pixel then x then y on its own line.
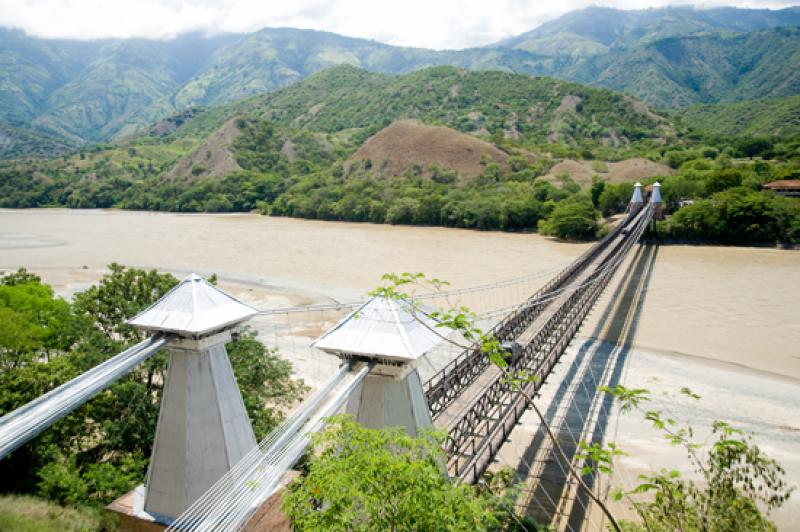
pixel 540 330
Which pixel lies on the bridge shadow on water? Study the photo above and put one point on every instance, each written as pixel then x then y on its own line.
pixel 577 412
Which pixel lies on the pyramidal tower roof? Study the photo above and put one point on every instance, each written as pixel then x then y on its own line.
pixel 193 308
pixel 383 327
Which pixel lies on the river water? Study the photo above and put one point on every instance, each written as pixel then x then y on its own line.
pixel 724 320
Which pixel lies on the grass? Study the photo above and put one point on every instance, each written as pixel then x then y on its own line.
pixel 30 514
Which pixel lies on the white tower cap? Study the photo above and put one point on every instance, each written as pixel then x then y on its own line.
pixel 192 309
pixel 382 327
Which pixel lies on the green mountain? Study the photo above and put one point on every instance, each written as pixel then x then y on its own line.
pixel 599 30
pixel 679 71
pixel 437 146
pixel 513 106
pixel 757 118
pixel 20 142
pixel 96 91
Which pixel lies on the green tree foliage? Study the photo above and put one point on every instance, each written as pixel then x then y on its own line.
pixel 265 381
pixel 101 449
pixel 738 216
pixel 738 478
pixel 598 186
pixel 614 198
pixel 258 146
pixel 572 219
pixel 366 479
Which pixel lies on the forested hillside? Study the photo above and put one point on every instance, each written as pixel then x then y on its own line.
pixel 598 30
pixel 678 71
pixel 779 117
pixel 95 91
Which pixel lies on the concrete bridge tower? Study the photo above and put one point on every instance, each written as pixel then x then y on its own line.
pixel 203 428
pixel 657 202
pixel 637 200
pixel 393 335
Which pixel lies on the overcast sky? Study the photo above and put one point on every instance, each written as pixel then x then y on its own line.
pixel 425 23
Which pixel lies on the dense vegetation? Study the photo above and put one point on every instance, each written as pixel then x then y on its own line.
pixel 365 479
pixel 778 117
pixel 95 91
pixel 102 449
pixel 318 183
pixel 288 153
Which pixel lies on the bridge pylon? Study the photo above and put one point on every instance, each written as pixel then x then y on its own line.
pixel 392 335
pixel 203 428
pixel 657 202
pixel 637 199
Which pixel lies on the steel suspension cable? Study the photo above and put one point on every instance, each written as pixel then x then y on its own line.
pixel 25 423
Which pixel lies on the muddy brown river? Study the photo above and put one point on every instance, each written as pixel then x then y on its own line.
pixel 722 320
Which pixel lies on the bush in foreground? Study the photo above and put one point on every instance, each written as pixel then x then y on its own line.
pixel 366 479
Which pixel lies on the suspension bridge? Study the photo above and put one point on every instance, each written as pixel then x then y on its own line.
pixel 207 472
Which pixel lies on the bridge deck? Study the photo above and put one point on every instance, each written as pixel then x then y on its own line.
pixel 490 375
pixel 581 277
pixel 483 412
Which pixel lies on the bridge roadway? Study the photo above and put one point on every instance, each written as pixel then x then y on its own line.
pixel 473 400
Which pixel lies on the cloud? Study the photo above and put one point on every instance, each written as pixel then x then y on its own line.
pixel 422 23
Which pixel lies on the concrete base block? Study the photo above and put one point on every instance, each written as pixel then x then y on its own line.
pixel 132 518
pixel 383 401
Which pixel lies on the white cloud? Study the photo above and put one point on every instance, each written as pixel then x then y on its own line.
pixel 424 23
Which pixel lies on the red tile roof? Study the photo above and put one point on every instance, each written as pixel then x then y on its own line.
pixel 784 184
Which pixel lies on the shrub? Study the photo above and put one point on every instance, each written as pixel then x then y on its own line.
pixel 367 479
pixel 572 219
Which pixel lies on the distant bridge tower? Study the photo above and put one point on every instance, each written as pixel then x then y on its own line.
pixel 657 202
pixel 392 335
pixel 203 428
pixel 637 200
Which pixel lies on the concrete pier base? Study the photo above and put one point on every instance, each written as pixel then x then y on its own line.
pixel 203 428
pixel 387 401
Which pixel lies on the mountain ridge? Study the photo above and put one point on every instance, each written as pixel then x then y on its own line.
pixel 86 92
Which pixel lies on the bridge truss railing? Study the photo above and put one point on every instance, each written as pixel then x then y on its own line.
pixel 448 383
pixel 476 436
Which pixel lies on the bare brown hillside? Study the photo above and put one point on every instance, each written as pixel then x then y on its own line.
pixel 213 158
pixel 407 144
pixel 616 172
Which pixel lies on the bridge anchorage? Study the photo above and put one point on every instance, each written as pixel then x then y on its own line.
pixel 207 472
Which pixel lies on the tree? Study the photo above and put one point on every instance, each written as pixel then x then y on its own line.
pixel 614 198
pixel 367 479
pixel 121 294
pixel 572 219
pixel 736 476
pixel 598 185
pixel 753 146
